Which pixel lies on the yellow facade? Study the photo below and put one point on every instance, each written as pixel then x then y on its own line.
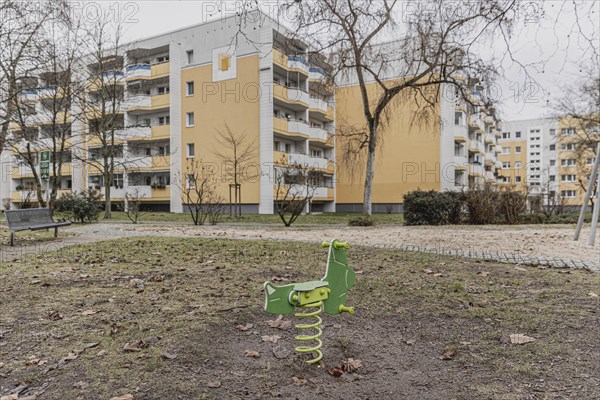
pixel 513 158
pixel 408 156
pixel 228 106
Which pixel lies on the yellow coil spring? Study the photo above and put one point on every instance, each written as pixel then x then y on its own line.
pixel 315 326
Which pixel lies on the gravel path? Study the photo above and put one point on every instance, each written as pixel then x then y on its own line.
pixel 540 244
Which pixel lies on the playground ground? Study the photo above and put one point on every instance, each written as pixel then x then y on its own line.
pixel 159 312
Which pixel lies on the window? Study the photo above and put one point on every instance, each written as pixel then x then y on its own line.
pixel 190 150
pixel 552 178
pixel 189 119
pixel 518 150
pixel 517 179
pixel 568 178
pixel 568 193
pixel 288 148
pixel 568 131
pixel 590 161
pixel 568 162
pixel 316 153
pixel 568 146
pixel 148 151
pixel 276 145
pixel 506 150
pixel 506 165
pixel 190 182
pixel 224 62
pixel 163 150
pixel 190 56
pixel 163 90
pixel 162 59
pixel 117 181
pixel 505 135
pixel 190 88
pixel 518 135
pixel 458 118
pixel 552 147
pixel 518 165
pixel 164 120
pixel 552 132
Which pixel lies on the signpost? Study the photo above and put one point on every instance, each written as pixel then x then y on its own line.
pixel 45 164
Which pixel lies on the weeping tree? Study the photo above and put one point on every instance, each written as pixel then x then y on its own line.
pixel 436 49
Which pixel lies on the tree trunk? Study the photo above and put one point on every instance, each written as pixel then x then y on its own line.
pixel 107 202
pixel 370 170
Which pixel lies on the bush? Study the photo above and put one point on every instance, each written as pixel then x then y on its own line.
pixel 456 205
pixel 482 204
pixel 361 220
pixel 512 204
pixel 431 208
pixel 84 206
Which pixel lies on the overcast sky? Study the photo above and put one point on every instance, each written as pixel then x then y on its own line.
pixel 550 34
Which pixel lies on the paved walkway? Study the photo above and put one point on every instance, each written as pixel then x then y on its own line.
pixel 528 245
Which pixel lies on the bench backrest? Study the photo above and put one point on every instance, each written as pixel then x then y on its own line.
pixel 28 217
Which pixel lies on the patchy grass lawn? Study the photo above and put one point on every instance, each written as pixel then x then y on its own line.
pixel 25 238
pixel 426 327
pixel 312 219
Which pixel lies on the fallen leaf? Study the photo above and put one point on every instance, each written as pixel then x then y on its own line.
pixel 439 274
pixel 91 345
pixel 448 354
pixel 169 356
pixel 100 353
pixel 279 323
pixel 482 273
pixel 465 343
pixel 214 384
pixel 428 271
pixel 351 365
pixel 520 269
pixel 297 381
pixel 134 346
pixel 124 397
pixel 281 352
pixel 89 312
pixel 55 316
pixel 246 327
pixel 517 338
pixel 336 371
pixel 592 294
pixel 273 338
pixel 70 357
pixel 253 354
pixel 32 360
pixel 409 342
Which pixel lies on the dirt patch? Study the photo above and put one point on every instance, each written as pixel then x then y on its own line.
pixel 426 327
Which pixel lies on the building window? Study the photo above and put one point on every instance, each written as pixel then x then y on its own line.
pixel 190 88
pixel 517 135
pixel 518 150
pixel 552 178
pixel 505 135
pixel 518 165
pixel 506 165
pixel 517 179
pixel 190 150
pixel 552 132
pixel 568 178
pixel 276 145
pixel 117 181
pixel 552 163
pixel 288 148
pixel 458 118
pixel 190 56
pixel 189 119
pixel 148 151
pixel 163 90
pixel 224 62
pixel 552 147
pixel 190 182
pixel 568 131
pixel 162 59
pixel 164 120
pixel 568 193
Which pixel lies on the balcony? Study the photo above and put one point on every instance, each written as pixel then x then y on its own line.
pixel 146 103
pixel 317 105
pixel 291 126
pixel 160 194
pixel 292 63
pixel 319 134
pixel 317 74
pixel 29 95
pixel 476 169
pixel 323 193
pixel 147 71
pixel 149 162
pixel 290 95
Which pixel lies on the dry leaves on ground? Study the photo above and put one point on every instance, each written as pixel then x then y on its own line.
pixel 244 328
pixel 89 312
pixel 298 381
pixel 252 354
pixel 124 397
pixel 351 365
pixel 279 323
pixel 272 338
pixel 517 338
pixel 135 346
pixel 592 294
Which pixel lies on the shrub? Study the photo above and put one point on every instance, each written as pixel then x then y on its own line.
pixel 456 205
pixel 84 206
pixel 427 208
pixel 512 204
pixel 482 204
pixel 361 220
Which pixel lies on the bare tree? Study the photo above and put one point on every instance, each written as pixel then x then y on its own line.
pixel 235 152
pixel 436 50
pixel 579 109
pixel 294 190
pixel 132 206
pixel 102 102
pixel 43 113
pixel 199 193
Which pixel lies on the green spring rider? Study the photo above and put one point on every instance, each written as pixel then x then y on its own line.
pixel 328 294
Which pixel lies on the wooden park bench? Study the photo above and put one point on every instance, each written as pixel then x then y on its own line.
pixel 32 219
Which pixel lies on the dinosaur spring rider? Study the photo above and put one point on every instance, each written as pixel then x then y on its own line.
pixel 328 294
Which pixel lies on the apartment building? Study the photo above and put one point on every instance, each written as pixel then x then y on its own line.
pixel 456 148
pixel 542 156
pixel 178 90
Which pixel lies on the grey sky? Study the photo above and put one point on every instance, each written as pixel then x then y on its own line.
pixel 549 37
